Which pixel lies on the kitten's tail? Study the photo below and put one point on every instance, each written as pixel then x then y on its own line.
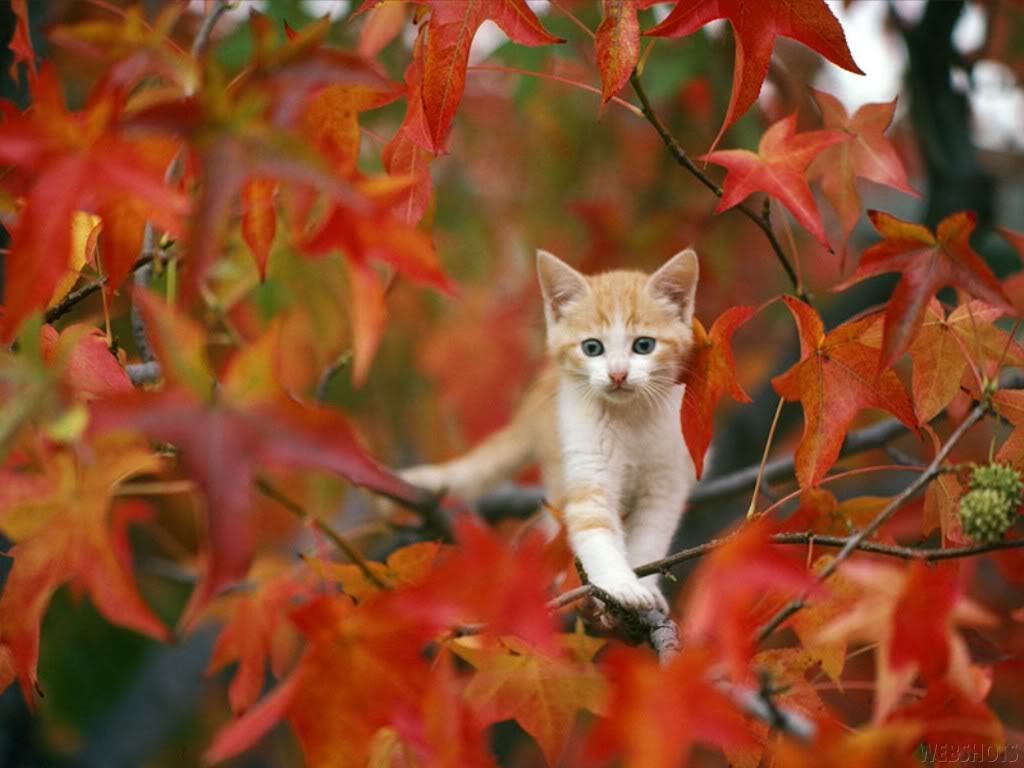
pixel 498 458
pixel 487 465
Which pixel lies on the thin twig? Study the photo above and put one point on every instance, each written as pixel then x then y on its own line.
pixel 265 487
pixel 74 298
pixel 855 541
pixel 555 78
pixel 681 157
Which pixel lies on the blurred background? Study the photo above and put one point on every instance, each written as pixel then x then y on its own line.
pixel 534 164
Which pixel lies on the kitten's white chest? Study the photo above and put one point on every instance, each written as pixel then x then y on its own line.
pixel 620 448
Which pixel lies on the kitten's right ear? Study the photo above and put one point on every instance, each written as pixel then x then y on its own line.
pixel 560 284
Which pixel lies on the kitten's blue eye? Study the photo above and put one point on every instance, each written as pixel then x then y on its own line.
pixel 592 348
pixel 643 345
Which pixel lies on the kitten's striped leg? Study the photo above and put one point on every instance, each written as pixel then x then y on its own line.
pixel 596 535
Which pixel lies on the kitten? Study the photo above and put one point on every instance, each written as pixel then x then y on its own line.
pixel 602 420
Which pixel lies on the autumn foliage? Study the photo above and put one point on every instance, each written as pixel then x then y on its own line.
pixel 255 259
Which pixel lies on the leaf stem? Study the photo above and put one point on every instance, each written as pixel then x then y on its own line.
pixel 265 487
pixel 556 78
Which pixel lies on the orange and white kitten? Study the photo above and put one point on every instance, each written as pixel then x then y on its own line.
pixel 602 420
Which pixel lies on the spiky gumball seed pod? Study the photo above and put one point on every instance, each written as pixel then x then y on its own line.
pixel 999 477
pixel 986 514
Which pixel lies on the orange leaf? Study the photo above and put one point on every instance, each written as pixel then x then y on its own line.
pixel 259 219
pixel 64 534
pixel 541 693
pixel 943 347
pixel 710 373
pixel 755 24
pixel 927 262
pixel 837 377
pixel 362 670
pixel 404 567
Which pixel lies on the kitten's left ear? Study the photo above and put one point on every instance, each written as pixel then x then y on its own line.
pixel 676 281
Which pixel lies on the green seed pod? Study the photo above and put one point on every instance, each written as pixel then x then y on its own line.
pixel 986 514
pixel 999 477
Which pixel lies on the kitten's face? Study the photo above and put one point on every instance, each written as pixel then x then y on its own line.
pixel 622 336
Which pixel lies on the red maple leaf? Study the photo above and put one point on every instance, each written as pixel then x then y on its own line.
pixel 837 377
pixel 72 161
pixel 928 262
pixel 618 43
pixel 710 373
pixel 778 168
pixel 868 155
pixel 756 23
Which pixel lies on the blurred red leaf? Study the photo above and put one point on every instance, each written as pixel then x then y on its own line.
pixel 912 613
pixel 257 630
pixel 779 168
pixel 728 587
pixel 21 44
pixel 709 374
pixel 74 161
pixel 755 24
pixel 837 377
pixel 657 713
pixel 928 262
pixel 89 367
pixel 362 669
pixel 453 592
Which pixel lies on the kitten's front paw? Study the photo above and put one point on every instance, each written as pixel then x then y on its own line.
pixel 632 595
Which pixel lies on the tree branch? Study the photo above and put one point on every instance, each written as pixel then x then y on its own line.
pixel 762 220
pixel 926 554
pixel 855 541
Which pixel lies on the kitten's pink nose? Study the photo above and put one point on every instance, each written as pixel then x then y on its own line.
pixel 618 377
